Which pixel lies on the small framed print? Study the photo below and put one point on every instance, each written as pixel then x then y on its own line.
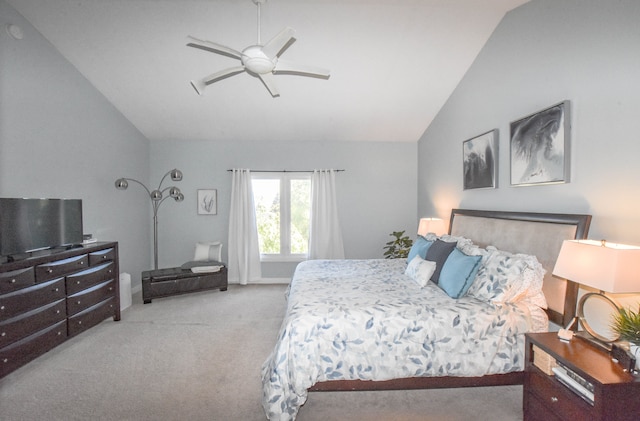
pixel 540 147
pixel 480 161
pixel 207 202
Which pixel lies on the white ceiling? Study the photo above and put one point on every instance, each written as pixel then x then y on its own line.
pixel 393 63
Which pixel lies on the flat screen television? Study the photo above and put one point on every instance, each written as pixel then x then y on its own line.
pixel 28 225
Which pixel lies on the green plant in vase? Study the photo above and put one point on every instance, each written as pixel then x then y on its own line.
pixel 399 247
pixel 626 323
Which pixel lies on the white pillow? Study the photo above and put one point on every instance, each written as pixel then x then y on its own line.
pixel 207 252
pixel 420 270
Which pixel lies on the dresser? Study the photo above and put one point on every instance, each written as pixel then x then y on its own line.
pixel 47 299
pixel 613 393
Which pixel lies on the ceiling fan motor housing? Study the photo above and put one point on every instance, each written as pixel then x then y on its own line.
pixel 256 61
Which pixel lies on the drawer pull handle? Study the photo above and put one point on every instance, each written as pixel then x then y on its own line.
pixel 3 334
pixel 5 360
pixel 57 311
pixel 77 282
pixel 78 302
pixel 554 399
pixel 81 262
pixel 79 322
pixel 49 270
pixel 13 281
pixel 1 307
pixel 56 290
pixel 104 257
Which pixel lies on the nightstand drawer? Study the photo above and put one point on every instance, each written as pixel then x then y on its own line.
pixel 537 410
pixel 558 398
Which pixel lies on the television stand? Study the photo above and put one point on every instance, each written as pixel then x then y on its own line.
pixel 46 299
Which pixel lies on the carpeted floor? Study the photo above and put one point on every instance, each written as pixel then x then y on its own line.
pixel 198 357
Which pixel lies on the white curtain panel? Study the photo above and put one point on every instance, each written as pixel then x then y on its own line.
pixel 244 251
pixel 325 236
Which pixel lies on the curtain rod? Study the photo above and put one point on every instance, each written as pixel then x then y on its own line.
pixel 284 170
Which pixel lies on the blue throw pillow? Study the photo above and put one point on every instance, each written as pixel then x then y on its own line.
pixel 458 273
pixel 419 248
pixel 438 252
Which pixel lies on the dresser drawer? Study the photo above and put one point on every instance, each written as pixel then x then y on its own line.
pixel 26 299
pixel 101 256
pixel 21 352
pixel 90 296
pixel 90 277
pixel 26 324
pixel 52 270
pixel 558 398
pixel 91 316
pixel 17 279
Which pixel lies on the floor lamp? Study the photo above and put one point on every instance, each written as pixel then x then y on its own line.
pixel 157 198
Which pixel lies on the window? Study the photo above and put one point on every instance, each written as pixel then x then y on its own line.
pixel 283 204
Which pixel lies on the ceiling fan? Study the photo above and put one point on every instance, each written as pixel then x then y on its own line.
pixel 258 60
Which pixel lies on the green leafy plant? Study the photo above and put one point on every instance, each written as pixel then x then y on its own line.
pixel 627 324
pixel 399 247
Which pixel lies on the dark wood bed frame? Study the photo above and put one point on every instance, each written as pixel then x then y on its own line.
pixel 581 224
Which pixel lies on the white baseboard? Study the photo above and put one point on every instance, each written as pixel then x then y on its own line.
pixel 266 281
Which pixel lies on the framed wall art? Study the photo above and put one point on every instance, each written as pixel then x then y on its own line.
pixel 480 161
pixel 540 147
pixel 207 202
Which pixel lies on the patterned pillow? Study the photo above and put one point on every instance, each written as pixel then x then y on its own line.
pixel 420 270
pixel 509 278
pixel 419 248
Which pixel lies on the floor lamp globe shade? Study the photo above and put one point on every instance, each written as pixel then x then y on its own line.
pixel 176 174
pixel 180 197
pixel 174 192
pixel 156 195
pixel 121 184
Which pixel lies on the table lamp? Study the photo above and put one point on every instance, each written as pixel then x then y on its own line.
pixel 607 267
pixel 434 225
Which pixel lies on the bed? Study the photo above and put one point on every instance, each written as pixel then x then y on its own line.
pixel 374 325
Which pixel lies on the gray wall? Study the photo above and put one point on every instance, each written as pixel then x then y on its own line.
pixel 59 137
pixel 546 51
pixel 542 53
pixel 376 193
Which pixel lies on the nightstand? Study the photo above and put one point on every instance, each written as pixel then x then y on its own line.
pixel 616 394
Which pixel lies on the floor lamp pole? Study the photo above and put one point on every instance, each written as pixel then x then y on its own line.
pixel 157 198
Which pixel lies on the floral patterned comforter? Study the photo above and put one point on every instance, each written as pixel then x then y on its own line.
pixel 365 319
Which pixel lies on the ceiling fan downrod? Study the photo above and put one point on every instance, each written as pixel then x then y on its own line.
pixel 259 3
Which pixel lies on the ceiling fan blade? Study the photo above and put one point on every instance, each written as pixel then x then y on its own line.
pixel 200 85
pixel 278 44
pixel 269 82
pixel 214 48
pixel 285 66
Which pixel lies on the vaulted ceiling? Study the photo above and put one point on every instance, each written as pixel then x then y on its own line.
pixel 393 63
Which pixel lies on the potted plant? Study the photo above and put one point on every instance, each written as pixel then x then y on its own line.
pixel 399 247
pixel 626 323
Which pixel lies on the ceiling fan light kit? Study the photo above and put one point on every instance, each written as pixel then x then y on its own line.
pixel 258 60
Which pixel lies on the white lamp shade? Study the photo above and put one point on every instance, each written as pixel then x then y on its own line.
pixel 604 266
pixel 434 225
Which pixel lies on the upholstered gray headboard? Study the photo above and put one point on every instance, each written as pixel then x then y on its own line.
pixel 538 234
